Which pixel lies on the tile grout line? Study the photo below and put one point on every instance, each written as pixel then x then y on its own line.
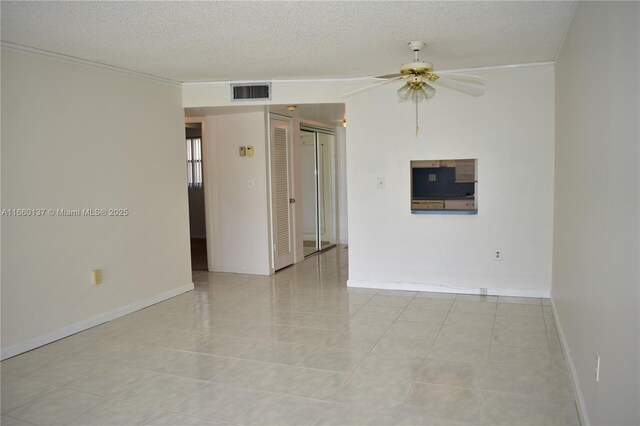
pixel 413 381
pixel 188 318
pixel 377 341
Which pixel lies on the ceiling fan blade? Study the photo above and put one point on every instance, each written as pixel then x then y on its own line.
pixel 389 76
pixel 459 87
pixel 373 86
pixel 471 79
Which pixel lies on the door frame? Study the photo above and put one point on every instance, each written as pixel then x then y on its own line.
pixel 318 130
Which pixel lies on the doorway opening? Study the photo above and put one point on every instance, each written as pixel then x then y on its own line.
pixel 195 185
pixel 317 148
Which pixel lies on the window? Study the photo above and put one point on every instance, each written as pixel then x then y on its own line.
pixel 194 162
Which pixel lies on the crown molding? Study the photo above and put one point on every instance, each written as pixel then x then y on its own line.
pixel 500 67
pixel 66 58
pixel 225 83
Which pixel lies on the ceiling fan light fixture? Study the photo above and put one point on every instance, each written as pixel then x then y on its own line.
pixel 418 96
pixel 417 76
pixel 427 91
pixel 404 92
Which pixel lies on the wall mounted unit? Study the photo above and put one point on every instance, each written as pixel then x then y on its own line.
pixel 444 185
pixel 250 91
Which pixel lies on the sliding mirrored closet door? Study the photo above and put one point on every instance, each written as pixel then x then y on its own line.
pixel 318 188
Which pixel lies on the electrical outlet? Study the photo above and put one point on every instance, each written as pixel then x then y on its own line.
pixel 497 255
pixel 96 276
pixel 597 367
pixel 483 291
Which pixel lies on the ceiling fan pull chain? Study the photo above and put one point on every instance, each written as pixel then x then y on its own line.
pixel 417 127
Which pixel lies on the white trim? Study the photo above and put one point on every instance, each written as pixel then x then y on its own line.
pixel 346 80
pixel 79 326
pixel 277 82
pixel 575 383
pixel 499 67
pixel 436 288
pixel 80 61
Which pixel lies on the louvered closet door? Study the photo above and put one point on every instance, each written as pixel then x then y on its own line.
pixel 281 187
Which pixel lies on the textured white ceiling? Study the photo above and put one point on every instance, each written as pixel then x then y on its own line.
pixel 211 41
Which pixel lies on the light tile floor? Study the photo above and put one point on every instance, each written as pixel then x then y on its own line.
pixel 301 348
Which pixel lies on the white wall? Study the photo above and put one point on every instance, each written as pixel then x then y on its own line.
pixel 341 172
pixel 510 131
pixel 76 136
pixel 596 275
pixel 238 220
pixel 328 188
pixel 217 94
pixel 282 93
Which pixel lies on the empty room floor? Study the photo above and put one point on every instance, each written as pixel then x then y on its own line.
pixel 301 348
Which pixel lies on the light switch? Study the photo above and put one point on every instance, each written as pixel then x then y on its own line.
pixel 250 185
pixel 96 276
pixel 243 151
pixel 381 183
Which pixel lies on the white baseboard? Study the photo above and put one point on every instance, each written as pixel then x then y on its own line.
pixel 575 383
pixel 435 288
pixel 79 326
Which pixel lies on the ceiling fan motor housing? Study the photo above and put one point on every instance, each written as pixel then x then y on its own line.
pixel 417 68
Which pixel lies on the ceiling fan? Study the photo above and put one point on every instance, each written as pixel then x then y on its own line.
pixel 419 76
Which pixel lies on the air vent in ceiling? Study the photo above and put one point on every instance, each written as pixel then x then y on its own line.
pixel 250 91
